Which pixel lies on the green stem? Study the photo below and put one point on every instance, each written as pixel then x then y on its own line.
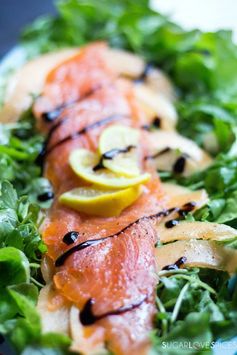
pixel 36 282
pixel 179 303
pixel 164 322
pixel 34 265
pixel 13 153
pixel 172 272
pixel 170 303
pixel 194 281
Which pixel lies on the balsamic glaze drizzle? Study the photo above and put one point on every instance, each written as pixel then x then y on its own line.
pixel 110 154
pixel 87 317
pixel 180 163
pixel 176 265
pixel 156 155
pixel 85 130
pixel 92 242
pixel 70 237
pixel 188 207
pixel 54 114
pixel 55 127
pixel 156 123
pixel 45 151
pixel 182 212
pixel 40 158
pixel 48 195
pixel 172 223
pixel 148 67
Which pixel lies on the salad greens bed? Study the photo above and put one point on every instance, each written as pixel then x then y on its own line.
pixel 193 305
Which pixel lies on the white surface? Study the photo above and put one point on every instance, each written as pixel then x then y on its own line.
pixel 208 15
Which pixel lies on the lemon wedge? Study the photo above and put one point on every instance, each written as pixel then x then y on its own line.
pixel 94 201
pixel 118 148
pixel 83 163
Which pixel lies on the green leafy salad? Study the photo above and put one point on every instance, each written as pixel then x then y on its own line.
pixel 194 305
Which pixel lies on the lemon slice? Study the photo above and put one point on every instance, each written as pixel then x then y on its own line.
pixel 119 144
pixel 94 201
pixel 83 162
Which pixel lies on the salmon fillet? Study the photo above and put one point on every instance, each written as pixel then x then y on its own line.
pixel 113 279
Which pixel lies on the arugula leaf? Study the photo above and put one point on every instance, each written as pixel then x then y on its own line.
pixel 20 145
pixel 8 307
pixel 20 249
pixel 20 243
pixel 194 331
pixel 25 328
pixel 8 196
pixel 18 227
pixel 207 121
pixel 122 23
pixel 14 266
pixel 192 312
pixel 220 182
pixel 21 322
pixel 25 296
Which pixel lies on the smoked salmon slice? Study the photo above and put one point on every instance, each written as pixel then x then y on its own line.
pixel 109 273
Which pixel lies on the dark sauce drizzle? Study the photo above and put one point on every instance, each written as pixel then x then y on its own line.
pixel 176 265
pixel 182 212
pixel 54 114
pixel 92 242
pixel 55 127
pixel 172 223
pixel 45 151
pixel 70 237
pixel 156 123
pixel 148 67
pixel 46 196
pixel 87 317
pixel 188 207
pixel 111 154
pixel 62 258
pixel 40 158
pixel 179 165
pixel 156 155
pixel 86 129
